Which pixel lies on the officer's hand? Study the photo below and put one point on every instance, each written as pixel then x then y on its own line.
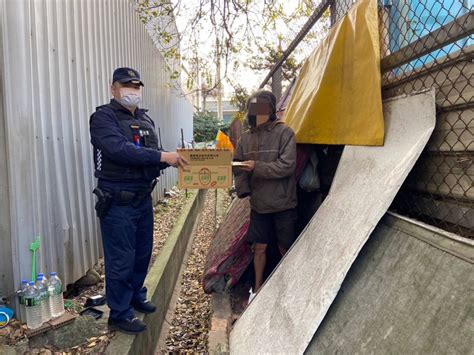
pixel 173 159
pixel 182 162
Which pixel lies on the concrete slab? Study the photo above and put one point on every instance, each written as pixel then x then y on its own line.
pixel 168 317
pixel 218 341
pixel 289 308
pixel 408 292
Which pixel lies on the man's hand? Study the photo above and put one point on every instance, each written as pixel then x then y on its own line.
pixel 249 166
pixel 173 159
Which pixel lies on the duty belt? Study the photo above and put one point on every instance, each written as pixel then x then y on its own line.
pixel 122 197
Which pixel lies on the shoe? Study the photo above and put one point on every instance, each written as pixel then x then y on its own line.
pixel 144 306
pixel 251 296
pixel 128 326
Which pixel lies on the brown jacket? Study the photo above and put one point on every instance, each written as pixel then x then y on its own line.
pixel 272 184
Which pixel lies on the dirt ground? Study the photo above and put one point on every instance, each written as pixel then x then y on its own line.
pixel 14 334
pixel 190 325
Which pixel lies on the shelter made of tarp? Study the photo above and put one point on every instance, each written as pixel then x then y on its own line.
pixel 337 98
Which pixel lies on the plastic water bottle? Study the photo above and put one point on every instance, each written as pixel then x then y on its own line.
pixel 21 299
pixel 33 306
pixel 56 300
pixel 42 286
pixel 46 310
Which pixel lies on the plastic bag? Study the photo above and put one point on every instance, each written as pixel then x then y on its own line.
pixel 309 180
pixel 223 141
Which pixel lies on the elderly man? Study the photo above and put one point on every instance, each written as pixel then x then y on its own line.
pixel 127 163
pixel 268 153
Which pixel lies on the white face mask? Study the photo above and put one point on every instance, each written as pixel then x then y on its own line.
pixel 130 97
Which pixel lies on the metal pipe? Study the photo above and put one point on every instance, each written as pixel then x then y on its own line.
pixel 307 26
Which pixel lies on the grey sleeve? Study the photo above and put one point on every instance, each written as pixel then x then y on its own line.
pixel 242 178
pixel 285 165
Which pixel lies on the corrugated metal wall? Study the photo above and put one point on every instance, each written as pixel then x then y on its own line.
pixel 56 65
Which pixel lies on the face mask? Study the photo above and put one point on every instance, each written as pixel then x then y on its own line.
pixel 130 97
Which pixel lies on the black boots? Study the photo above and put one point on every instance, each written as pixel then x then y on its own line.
pixel 144 306
pixel 129 326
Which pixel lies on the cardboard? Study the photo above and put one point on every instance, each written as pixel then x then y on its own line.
pixel 207 169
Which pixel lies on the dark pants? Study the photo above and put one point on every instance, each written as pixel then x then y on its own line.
pixel 279 226
pixel 127 236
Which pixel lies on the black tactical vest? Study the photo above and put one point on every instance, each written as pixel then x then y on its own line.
pixel 138 130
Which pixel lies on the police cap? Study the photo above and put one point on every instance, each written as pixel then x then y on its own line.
pixel 127 75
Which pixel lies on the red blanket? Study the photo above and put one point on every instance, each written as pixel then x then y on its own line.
pixel 229 254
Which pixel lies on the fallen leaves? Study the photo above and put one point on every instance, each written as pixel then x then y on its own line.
pixel 192 318
pixel 166 213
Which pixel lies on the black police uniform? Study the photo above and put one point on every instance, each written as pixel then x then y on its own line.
pixel 127 161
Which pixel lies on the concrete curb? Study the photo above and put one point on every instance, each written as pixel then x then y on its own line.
pixel 160 282
pixel 218 341
pixel 220 324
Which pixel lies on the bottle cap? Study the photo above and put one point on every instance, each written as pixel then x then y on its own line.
pixel 31 283
pixel 24 281
pixel 40 274
pixel 53 273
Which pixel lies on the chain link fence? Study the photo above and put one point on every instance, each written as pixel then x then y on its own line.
pixel 428 44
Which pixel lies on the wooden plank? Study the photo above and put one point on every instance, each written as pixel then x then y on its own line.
pixel 448 176
pixel 454 84
pixel 452 140
pixel 395 78
pixel 458 119
pixel 443 211
pixel 460 28
pixel 318 12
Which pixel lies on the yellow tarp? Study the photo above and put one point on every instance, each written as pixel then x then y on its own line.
pixel 337 98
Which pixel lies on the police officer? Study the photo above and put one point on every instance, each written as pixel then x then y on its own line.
pixel 127 162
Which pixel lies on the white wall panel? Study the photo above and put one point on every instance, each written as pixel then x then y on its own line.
pixel 57 62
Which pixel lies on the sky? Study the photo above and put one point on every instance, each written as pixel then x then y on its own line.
pixel 243 75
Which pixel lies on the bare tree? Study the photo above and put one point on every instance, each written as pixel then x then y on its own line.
pixel 232 26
